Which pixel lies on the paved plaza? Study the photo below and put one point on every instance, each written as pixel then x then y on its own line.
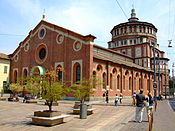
pixel 16 116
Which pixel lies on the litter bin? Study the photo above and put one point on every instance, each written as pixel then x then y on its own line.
pixel 83 111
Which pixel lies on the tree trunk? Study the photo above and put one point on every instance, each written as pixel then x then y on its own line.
pixel 82 101
pixel 50 106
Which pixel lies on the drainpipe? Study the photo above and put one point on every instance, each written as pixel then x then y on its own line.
pixel 107 68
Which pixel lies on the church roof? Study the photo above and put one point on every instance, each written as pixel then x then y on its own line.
pixel 54 27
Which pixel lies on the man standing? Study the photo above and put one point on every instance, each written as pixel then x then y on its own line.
pixel 139 106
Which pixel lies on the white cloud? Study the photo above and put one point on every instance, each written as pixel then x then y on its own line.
pixel 28 9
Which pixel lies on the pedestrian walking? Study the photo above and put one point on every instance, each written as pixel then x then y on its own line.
pixel 140 98
pixel 150 101
pixel 104 97
pixel 116 100
pixel 134 99
pixel 107 97
pixel 121 97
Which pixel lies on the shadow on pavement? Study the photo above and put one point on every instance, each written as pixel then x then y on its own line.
pixel 172 103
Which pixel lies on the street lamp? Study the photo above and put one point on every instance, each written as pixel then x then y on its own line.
pixel 173 78
pixel 154 63
pixel 165 71
pixel 158 74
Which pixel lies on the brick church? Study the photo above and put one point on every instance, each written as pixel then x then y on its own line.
pixel 124 67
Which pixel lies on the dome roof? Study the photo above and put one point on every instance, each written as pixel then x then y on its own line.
pixel 133 21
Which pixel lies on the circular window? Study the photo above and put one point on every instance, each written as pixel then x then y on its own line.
pixel 77 46
pixel 59 38
pixel 16 58
pixel 42 33
pixel 41 53
pixel 26 47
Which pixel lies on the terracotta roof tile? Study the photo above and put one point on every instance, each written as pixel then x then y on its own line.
pixel 2 55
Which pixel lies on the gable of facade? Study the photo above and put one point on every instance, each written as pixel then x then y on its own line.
pixel 49 46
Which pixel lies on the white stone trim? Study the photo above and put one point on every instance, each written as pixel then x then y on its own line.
pixel 81 65
pixel 61 32
pixel 59 63
pixel 80 46
pixel 25 42
pixel 26 69
pixel 60 37
pixel 16 57
pixel 41 27
pixel 37 54
pixel 27 47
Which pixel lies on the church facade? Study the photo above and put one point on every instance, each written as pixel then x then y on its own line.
pixel 124 67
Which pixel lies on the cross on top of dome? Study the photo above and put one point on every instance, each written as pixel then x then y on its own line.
pixel 133 16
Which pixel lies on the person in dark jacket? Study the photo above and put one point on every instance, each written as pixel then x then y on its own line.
pixel 140 98
pixel 150 100
pixel 107 97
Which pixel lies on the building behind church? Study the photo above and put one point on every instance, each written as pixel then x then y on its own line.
pixel 4 72
pixel 124 67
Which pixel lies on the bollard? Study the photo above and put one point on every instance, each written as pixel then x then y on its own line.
pixel 83 111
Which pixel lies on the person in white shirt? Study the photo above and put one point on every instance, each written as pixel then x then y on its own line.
pixel 116 100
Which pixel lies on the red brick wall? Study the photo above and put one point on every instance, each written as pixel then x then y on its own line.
pixel 63 52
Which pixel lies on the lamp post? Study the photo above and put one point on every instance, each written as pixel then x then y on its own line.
pixel 165 80
pixel 173 78
pixel 158 75
pixel 154 63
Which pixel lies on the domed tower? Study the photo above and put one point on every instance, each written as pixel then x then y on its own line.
pixel 134 39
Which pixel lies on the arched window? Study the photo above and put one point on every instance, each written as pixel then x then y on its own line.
pixel 121 30
pixel 140 28
pixel 125 29
pixel 144 30
pixel 15 76
pixel 135 28
pixel 25 74
pixel 111 82
pixel 78 73
pixel 104 80
pixel 134 87
pixel 99 68
pixel 117 82
pixel 139 83
pixel 94 79
pixel 123 82
pixel 130 83
pixel 59 73
pixel 148 85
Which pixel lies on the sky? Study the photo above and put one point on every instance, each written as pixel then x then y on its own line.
pixel 96 17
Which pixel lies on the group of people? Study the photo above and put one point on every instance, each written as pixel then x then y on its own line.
pixel 139 100
pixel 117 98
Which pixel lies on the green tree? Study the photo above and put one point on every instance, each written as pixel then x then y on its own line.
pixel 15 88
pixel 84 88
pixel 32 84
pixel 52 91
